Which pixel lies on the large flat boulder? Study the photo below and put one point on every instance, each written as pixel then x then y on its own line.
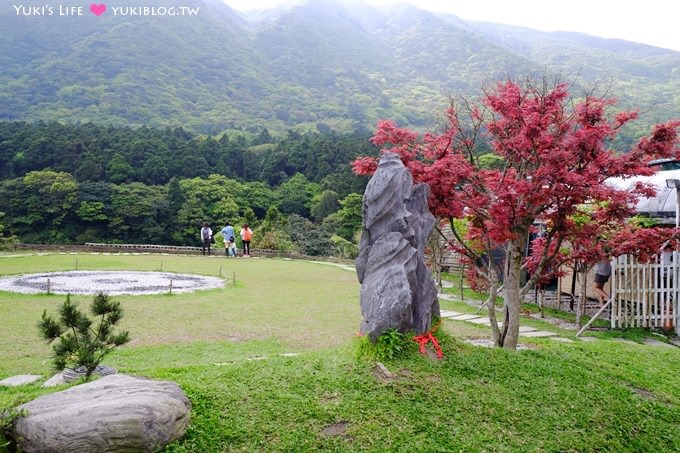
pixel 113 414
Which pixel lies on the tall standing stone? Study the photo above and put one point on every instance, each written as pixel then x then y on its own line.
pixel 397 289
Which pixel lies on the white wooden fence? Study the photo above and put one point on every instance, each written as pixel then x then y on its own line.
pixel 645 295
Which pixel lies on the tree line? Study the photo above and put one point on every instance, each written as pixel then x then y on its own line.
pixel 89 183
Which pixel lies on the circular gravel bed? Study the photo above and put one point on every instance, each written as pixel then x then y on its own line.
pixel 109 282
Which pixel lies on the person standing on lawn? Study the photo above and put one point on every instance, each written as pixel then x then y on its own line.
pixel 603 270
pixel 246 237
pixel 229 240
pixel 206 237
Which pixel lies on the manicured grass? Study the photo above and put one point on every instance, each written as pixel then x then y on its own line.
pixel 301 304
pixel 224 348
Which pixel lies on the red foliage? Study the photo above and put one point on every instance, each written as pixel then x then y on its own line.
pixel 556 162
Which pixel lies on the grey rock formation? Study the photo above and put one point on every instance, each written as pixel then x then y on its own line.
pixel 113 414
pixel 397 289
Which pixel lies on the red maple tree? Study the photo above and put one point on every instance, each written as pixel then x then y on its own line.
pixel 555 166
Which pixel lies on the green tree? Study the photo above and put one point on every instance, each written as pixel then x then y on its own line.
pixel 49 198
pixel 80 344
pixel 271 233
pixel 91 211
pixel 347 220
pixel 136 212
pixel 119 170
pixel 257 196
pixel 324 204
pixel 296 195
pixel 212 200
pixel 310 238
pixel 5 240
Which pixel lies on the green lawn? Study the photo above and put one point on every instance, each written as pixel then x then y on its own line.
pixel 225 349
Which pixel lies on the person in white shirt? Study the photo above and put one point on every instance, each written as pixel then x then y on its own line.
pixel 206 237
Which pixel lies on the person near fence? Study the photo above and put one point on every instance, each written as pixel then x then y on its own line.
pixel 229 240
pixel 246 237
pixel 603 270
pixel 206 237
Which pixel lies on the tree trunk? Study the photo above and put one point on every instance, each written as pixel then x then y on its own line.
pixel 511 293
pixel 581 305
pixel 498 332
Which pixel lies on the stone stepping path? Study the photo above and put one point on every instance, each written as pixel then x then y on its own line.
pixel 22 379
pixel 653 342
pixel 538 334
pixel 449 313
pixel 532 332
pixel 464 317
pixel 524 331
pixel 480 320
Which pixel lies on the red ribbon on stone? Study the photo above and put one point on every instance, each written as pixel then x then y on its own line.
pixel 427 337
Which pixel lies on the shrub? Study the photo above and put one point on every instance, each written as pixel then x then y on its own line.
pixel 80 344
pixel 390 345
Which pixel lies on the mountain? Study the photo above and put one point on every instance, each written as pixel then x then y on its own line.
pixel 317 64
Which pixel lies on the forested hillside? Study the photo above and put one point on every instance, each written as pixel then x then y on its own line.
pixel 319 64
pixel 137 128
pixel 66 184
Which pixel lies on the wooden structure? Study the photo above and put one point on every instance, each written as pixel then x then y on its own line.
pixel 154 248
pixel 645 295
pixel 570 283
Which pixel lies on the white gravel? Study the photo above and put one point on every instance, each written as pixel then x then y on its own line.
pixel 109 282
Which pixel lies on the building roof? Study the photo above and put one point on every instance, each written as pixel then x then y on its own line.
pixel 661 207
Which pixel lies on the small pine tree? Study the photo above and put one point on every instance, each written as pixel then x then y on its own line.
pixel 80 344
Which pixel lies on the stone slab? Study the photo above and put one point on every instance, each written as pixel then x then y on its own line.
pixel 526 329
pixel 465 317
pixel 22 379
pixel 449 313
pixel 587 338
pixel 448 297
pixel 538 334
pixel 57 379
pixel 562 339
pixel 486 321
pixel 653 342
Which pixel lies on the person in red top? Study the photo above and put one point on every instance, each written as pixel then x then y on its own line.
pixel 246 236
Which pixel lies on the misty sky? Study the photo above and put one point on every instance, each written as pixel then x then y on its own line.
pixel 650 22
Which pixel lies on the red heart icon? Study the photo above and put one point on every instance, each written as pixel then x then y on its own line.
pixel 98 10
